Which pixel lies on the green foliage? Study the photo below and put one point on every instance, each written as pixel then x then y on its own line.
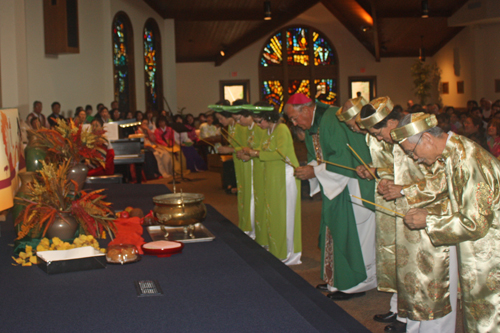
pixel 425 76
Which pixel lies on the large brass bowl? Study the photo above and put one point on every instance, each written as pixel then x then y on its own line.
pixel 179 209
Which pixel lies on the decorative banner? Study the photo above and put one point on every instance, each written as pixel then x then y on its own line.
pixel 11 156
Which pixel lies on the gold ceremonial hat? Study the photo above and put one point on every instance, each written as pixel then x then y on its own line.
pixel 383 107
pixel 420 122
pixel 357 104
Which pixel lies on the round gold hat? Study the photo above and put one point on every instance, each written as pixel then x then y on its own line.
pixel 420 122
pixel 383 107
pixel 357 104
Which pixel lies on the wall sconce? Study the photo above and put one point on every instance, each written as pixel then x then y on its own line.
pixel 425 8
pixel 421 51
pixel 267 10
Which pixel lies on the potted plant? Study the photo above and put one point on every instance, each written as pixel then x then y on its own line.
pixel 68 141
pixel 51 210
pixel 425 76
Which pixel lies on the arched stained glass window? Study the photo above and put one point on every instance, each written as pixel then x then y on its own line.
pixel 299 46
pixel 272 91
pixel 152 66
pixel 123 62
pixel 272 54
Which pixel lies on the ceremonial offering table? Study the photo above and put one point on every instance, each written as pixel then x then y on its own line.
pixel 229 284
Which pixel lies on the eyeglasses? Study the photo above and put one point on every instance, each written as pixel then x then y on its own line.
pixel 412 153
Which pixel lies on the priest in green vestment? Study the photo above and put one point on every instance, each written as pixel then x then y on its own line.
pixel 347 230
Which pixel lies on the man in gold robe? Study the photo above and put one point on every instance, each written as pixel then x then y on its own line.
pixel 473 220
pixel 426 275
pixel 382 165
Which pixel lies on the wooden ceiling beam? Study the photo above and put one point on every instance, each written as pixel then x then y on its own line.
pixel 342 11
pixel 264 29
pixel 219 15
pixel 376 31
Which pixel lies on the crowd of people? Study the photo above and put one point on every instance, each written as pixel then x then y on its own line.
pixel 410 197
pixel 435 192
pixel 187 146
pixel 410 201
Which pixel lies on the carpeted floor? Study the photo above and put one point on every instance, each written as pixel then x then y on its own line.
pixel 363 309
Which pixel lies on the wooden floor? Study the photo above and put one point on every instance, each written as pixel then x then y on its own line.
pixel 363 309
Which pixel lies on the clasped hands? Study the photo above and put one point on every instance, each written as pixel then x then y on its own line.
pixel 245 154
pixel 416 218
pixel 389 190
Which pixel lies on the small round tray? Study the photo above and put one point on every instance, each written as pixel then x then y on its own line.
pixel 163 252
pixel 139 257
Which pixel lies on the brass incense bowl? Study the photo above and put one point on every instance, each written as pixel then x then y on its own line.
pixel 179 209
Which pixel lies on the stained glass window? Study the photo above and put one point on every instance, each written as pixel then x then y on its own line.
pixel 122 64
pixel 323 54
pixel 326 91
pixel 305 50
pixel 272 54
pixel 299 86
pixel 297 46
pixel 272 91
pixel 152 67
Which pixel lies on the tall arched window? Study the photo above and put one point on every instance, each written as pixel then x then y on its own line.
pixel 152 66
pixel 298 59
pixel 123 62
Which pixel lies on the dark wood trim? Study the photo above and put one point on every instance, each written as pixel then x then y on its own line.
pixel 373 84
pixel 245 83
pixel 153 25
pixel 376 31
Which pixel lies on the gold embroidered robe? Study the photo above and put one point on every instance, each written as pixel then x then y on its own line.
pixel 422 269
pixel 385 233
pixel 473 177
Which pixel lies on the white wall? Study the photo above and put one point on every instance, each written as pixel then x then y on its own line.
pixel 72 79
pixel 198 83
pixel 478 56
pixel 13 57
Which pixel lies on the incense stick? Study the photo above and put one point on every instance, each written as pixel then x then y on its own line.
pixel 366 166
pixel 402 215
pixel 227 139
pixel 232 138
pixel 207 142
pixel 285 159
pixel 339 165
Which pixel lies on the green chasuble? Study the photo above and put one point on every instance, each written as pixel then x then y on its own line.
pixel 275 187
pixel 243 172
pixel 256 134
pixel 342 258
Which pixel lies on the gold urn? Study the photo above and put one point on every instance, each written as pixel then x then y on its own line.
pixel 179 209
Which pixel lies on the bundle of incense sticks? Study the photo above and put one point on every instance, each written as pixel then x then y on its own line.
pixel 285 159
pixel 231 137
pixel 366 166
pixel 339 165
pixel 402 215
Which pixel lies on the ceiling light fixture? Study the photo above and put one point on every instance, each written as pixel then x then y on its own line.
pixel 425 8
pixel 421 51
pixel 267 10
pixel 222 53
pixel 365 28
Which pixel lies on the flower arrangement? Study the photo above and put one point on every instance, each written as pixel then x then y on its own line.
pixel 50 195
pixel 68 141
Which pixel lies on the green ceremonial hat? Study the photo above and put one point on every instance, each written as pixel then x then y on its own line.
pixel 258 109
pixel 216 108
pixel 232 108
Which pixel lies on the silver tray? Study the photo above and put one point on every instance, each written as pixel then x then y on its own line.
pixel 197 233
